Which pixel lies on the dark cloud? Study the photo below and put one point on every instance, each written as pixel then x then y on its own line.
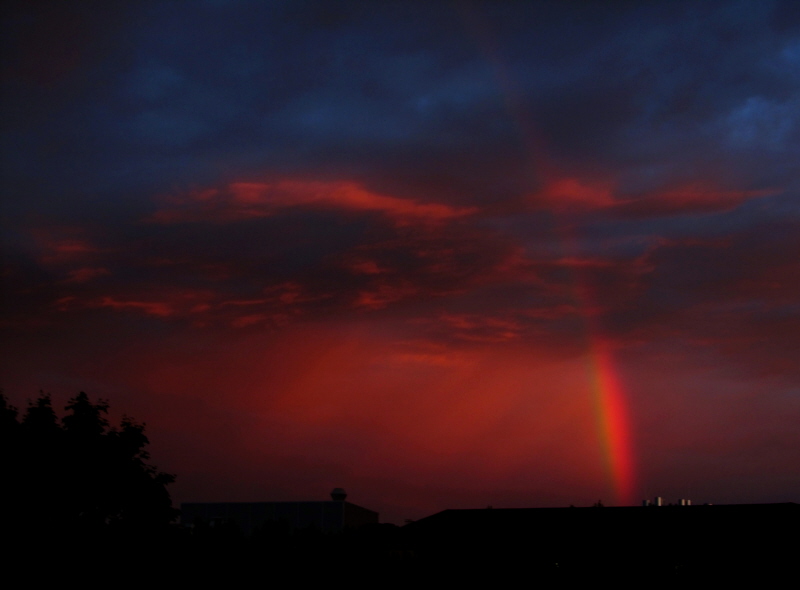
pixel 441 197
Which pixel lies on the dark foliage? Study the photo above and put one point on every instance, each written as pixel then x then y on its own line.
pixel 77 477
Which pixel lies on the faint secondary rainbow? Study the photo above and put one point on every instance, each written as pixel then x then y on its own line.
pixel 608 395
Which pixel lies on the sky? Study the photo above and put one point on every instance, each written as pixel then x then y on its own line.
pixel 440 254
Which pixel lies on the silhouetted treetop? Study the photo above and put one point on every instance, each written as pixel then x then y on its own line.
pixel 85 418
pixel 40 418
pixel 79 474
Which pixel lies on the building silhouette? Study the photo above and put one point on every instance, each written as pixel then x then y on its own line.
pixel 675 540
pixel 332 516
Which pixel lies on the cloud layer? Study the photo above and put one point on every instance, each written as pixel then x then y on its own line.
pixel 374 243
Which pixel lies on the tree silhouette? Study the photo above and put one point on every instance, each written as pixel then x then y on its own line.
pixel 79 476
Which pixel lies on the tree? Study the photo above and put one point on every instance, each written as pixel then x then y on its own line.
pixel 79 475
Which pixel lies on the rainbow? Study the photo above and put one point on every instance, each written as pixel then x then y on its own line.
pixel 608 395
pixel 609 401
pixel 613 425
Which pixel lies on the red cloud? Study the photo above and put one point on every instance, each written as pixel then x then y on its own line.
pixel 166 304
pixel 486 329
pixel 572 195
pixel 155 308
pixel 367 267
pixel 385 294
pixel 249 320
pixel 83 275
pixel 276 307
pixel 72 247
pixel 685 200
pixel 291 293
pixel 61 251
pixel 245 200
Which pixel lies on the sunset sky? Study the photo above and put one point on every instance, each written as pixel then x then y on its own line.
pixel 441 254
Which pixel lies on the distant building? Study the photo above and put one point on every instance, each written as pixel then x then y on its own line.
pixel 332 516
pixel 675 538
